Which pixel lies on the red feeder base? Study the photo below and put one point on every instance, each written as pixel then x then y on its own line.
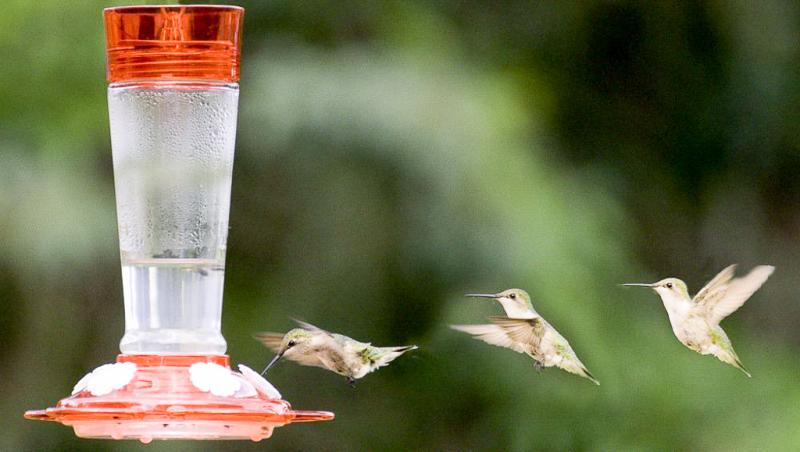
pixel 174 397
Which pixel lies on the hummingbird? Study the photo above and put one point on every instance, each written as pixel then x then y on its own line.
pixel 525 331
pixel 310 345
pixel 695 320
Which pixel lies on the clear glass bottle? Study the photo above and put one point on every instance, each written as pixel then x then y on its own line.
pixel 172 100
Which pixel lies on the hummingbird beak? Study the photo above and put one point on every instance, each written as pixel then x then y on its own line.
pixel 274 360
pixel 481 295
pixel 639 285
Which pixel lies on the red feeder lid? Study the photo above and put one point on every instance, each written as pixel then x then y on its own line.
pixel 173 42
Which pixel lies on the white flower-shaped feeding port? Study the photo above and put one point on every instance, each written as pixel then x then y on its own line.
pixel 213 378
pixel 260 383
pixel 106 378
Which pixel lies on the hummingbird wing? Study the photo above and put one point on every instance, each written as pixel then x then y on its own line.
pixel 715 284
pixel 731 296
pixel 491 334
pixel 526 331
pixel 270 340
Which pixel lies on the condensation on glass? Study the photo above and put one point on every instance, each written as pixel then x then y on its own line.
pixel 172 103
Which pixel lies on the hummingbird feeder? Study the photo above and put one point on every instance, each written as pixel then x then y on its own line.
pixel 173 99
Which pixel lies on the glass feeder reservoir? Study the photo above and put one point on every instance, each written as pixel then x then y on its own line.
pixel 172 100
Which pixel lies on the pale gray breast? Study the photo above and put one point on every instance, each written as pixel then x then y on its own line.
pixel 693 331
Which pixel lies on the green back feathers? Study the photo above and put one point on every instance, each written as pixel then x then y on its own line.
pixel 680 286
pixel 298 334
pixel 370 355
pixel 382 355
pixel 295 337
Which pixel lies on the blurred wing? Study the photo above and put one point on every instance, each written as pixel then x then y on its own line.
pixel 525 331
pixel 735 293
pixel 491 334
pixel 270 340
pixel 716 283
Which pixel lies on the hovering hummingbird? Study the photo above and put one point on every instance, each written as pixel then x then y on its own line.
pixel 525 331
pixel 695 321
pixel 312 346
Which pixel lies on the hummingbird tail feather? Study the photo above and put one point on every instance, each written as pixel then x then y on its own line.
pixel 576 367
pixel 394 352
pixel 591 377
pixel 405 348
pixel 728 356
pixel 738 364
pixel 385 355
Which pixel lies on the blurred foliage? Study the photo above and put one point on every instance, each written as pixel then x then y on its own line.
pixel 392 156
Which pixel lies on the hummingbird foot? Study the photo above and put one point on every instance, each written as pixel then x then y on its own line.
pixel 352 382
pixel 538 365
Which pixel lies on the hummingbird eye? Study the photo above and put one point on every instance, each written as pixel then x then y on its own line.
pixel 291 343
pixel 669 285
pixel 512 295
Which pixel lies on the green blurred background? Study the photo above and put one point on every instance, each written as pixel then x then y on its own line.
pixel 392 156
